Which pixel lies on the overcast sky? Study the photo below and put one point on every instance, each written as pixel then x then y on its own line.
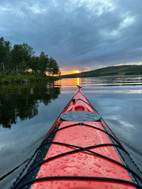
pixel 79 34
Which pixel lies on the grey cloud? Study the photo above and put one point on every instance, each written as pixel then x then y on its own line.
pixel 76 33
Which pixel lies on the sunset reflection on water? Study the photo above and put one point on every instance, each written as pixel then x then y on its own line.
pixel 70 82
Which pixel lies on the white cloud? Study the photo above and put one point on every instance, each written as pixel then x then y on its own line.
pixel 98 7
pixel 36 9
pixel 12 10
pixel 4 9
pixel 127 21
pixel 76 32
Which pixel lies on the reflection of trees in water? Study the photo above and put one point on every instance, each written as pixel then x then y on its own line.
pixel 24 103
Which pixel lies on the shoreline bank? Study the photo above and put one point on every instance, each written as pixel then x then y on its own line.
pixel 22 78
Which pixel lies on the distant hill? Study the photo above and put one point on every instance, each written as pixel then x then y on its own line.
pixel 108 71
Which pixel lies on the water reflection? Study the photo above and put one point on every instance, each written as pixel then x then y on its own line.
pixel 117 99
pixel 69 82
pixel 22 103
pixel 139 91
pixel 115 81
pixel 78 81
pixel 103 81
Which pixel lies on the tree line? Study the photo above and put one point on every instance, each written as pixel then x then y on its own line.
pixel 21 58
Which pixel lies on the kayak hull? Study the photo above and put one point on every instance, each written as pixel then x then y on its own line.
pixel 80 151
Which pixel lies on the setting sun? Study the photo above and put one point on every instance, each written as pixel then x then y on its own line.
pixel 63 72
pixel 76 71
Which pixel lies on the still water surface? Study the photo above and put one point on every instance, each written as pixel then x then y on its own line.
pixel 27 112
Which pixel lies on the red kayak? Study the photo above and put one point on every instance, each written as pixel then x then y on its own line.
pixel 80 152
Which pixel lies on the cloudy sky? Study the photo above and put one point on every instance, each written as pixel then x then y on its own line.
pixel 79 34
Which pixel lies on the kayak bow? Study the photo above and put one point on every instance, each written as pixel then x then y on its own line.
pixel 80 151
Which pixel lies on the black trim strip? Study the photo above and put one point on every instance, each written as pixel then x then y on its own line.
pixel 28 166
pixel 81 178
pixel 79 150
pixel 77 124
pixel 94 146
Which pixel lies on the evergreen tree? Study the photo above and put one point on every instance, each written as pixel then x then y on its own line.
pixel 43 63
pixel 21 55
pixel 5 48
pixel 53 67
pixel 34 63
pixel 20 58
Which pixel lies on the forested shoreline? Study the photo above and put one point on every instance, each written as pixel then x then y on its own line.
pixel 19 63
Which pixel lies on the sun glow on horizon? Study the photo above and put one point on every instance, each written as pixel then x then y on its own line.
pixel 70 72
pixel 76 71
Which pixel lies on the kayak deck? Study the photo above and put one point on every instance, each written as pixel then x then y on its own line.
pixel 80 151
pixel 81 163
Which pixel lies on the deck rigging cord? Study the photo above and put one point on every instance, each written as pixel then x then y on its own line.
pixel 80 178
pixel 79 149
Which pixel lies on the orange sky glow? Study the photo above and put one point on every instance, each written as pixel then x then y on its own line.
pixel 70 72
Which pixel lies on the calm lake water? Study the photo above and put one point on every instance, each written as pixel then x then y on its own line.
pixel 27 112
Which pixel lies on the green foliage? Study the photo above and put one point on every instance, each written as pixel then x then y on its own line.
pixel 20 59
pixel 34 64
pixel 43 63
pixel 53 67
pixel 21 55
pixel 22 78
pixel 5 57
